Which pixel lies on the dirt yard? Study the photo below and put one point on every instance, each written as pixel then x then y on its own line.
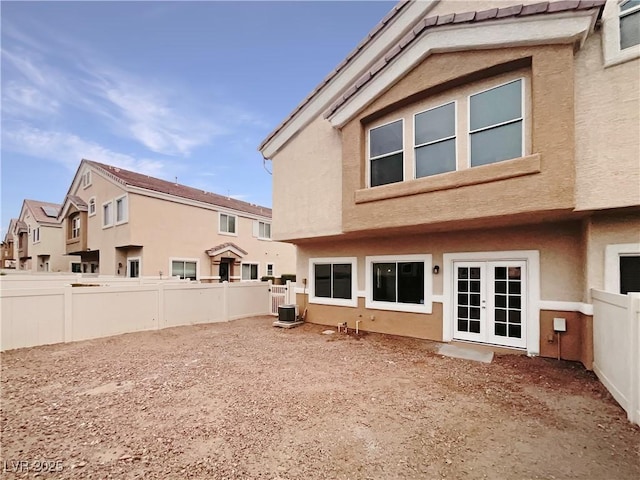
pixel 246 400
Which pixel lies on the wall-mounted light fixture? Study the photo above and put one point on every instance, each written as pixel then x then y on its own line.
pixel 436 269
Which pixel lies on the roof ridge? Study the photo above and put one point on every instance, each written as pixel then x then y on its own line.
pixel 429 22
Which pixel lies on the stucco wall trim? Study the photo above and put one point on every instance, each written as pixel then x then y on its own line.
pixel 494 172
pixel 534 31
pixel 584 308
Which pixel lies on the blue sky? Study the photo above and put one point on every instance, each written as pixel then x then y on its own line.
pixel 171 89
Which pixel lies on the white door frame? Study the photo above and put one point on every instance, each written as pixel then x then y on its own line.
pixel 133 259
pixel 532 259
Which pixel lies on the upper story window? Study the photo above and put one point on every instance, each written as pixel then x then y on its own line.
pixel 92 206
pixel 263 230
pixel 386 157
pixel 86 179
pixel 36 235
pixel 435 140
pixel 122 213
pixel 227 224
pixel 75 226
pixel 107 214
pixel 495 124
pixel 629 23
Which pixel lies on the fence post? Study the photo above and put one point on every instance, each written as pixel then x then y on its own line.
pixel 68 313
pixel 291 299
pixel 160 317
pixel 225 293
pixel 633 314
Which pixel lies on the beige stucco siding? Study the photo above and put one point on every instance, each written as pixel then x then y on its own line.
pixel 50 247
pixel 169 229
pixel 559 244
pixel 607 130
pixel 307 184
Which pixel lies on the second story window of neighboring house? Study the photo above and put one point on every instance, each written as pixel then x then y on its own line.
pixel 92 206
pixel 36 235
pixel 629 23
pixel 75 226
pixel 227 223
pixel 264 230
pixel 121 210
pixel 86 179
pixel 435 140
pixel 386 157
pixel 495 124
pixel 107 214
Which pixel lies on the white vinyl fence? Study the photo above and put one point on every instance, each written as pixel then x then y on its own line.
pixel 40 316
pixel 616 347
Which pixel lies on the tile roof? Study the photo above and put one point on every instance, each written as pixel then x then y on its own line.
pixel 8 236
pixel 79 203
pixel 371 35
pixel 225 246
pixel 458 18
pixel 21 226
pixel 35 206
pixel 135 179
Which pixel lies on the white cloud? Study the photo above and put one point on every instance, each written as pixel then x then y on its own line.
pixel 27 101
pixel 68 149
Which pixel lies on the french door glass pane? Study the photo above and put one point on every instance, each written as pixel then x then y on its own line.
pixel 384 282
pixel 497 105
pixel 385 139
pixel 468 314
pixel 496 144
pixel 435 124
pixel 387 170
pixel 436 158
pixel 323 281
pixel 411 282
pixel 508 305
pixel 342 280
pixel 630 30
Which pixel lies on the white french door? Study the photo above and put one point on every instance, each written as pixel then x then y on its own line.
pixel 490 302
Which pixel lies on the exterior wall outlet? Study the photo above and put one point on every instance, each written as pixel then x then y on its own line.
pixel 559 324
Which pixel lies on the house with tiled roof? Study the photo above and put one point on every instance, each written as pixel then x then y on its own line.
pixel 129 224
pixel 478 168
pixel 9 251
pixel 37 238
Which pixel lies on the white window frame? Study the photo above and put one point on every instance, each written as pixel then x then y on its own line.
pixel 427 307
pixel 71 266
pixel 522 118
pixel 531 257
pixel 625 13
pixel 257 264
pixel 612 254
pixel 133 259
pixel 86 179
pixel 73 226
pixel 260 223
pixel 92 202
pixel 222 232
pixel 110 224
pixel 368 151
pixel 124 198
pixel 183 259
pixel 341 302
pixel 36 233
pixel 454 137
pixel 273 269
pixel 613 54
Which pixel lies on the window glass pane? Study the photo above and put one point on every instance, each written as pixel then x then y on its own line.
pixel 384 282
pixel 497 105
pixel 629 274
pixel 629 5
pixel 267 230
pixel 436 158
pixel 387 170
pixel 435 124
pixel 254 272
pixel 496 144
pixel 411 282
pixel 630 30
pixel 342 280
pixel 323 281
pixel 385 139
pixel 190 270
pixel 177 268
pixel 232 224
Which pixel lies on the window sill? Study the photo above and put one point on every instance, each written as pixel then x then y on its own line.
pixel 121 223
pixel 104 227
pixel 462 178
pixel 400 307
pixel 617 57
pixel 336 302
pixel 265 239
pixel 228 234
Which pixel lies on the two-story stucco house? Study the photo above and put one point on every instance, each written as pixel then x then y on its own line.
pixel 125 223
pixel 8 246
pixel 478 169
pixel 37 238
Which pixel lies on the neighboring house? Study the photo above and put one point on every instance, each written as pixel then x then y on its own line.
pixel 9 253
pixel 38 235
pixel 129 224
pixel 478 169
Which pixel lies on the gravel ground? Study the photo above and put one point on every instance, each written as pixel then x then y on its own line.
pixel 246 400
